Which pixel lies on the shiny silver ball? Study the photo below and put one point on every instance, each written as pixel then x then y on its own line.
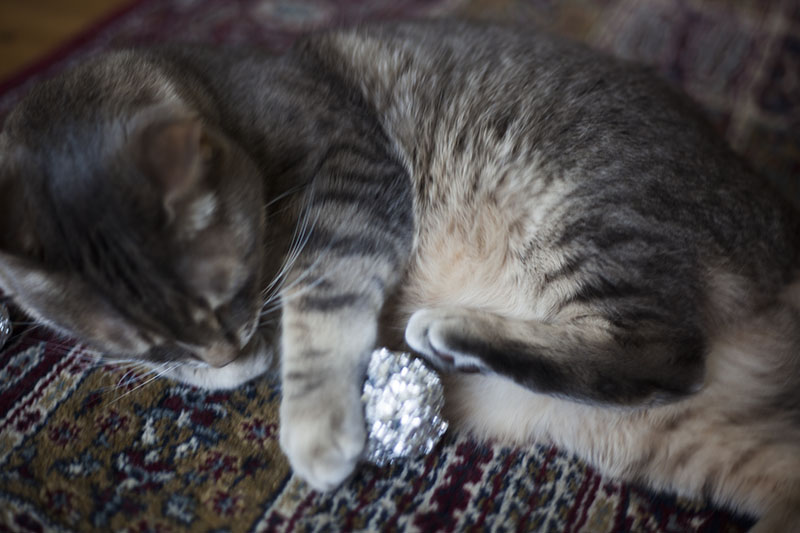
pixel 403 401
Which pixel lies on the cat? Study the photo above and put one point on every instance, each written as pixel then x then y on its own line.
pixel 558 232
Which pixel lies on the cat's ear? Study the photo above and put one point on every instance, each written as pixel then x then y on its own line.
pixel 17 235
pixel 17 239
pixel 25 280
pixel 174 151
pixel 65 303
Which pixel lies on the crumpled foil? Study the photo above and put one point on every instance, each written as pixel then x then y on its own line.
pixel 403 400
pixel 5 324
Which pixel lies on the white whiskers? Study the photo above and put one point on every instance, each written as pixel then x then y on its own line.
pixel 133 369
pixel 155 373
pixel 300 237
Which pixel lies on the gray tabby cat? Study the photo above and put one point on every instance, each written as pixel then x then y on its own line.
pixel 555 230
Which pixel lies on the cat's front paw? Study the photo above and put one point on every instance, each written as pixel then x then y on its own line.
pixel 323 439
pixel 443 337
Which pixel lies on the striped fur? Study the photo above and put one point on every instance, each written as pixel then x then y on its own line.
pixel 558 232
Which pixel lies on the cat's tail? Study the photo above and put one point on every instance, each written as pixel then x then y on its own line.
pixel 736 441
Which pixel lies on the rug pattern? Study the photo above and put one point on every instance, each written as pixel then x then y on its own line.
pixel 92 447
pixel 106 449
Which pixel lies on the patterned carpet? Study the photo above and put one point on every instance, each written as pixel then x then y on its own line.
pixel 86 447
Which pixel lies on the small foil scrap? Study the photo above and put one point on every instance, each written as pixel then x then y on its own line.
pixel 403 401
pixel 5 324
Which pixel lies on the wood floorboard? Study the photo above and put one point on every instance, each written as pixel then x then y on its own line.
pixel 30 29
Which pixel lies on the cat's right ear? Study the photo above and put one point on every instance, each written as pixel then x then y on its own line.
pixel 173 149
pixel 17 235
pixel 65 303
pixel 19 248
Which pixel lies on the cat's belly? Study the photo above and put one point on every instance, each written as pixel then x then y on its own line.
pixel 481 258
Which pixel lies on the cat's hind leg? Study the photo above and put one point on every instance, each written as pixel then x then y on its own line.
pixel 733 442
pixel 587 360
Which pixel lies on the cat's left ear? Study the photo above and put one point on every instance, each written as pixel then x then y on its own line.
pixel 174 150
pixel 17 235
pixel 58 299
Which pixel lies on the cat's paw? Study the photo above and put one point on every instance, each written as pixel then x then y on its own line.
pixel 442 337
pixel 323 440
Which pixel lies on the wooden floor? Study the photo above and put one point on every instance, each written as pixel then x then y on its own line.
pixel 30 29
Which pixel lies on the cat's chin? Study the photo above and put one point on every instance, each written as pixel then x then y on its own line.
pixel 244 368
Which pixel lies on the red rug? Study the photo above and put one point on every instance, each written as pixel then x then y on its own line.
pixel 92 448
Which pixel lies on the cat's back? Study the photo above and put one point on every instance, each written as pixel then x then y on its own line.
pixel 471 86
pixel 534 135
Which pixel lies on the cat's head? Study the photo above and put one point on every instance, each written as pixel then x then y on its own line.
pixel 128 220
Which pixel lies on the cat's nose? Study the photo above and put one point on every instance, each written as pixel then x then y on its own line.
pixel 220 354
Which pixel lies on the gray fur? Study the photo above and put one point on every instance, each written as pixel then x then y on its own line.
pixel 160 203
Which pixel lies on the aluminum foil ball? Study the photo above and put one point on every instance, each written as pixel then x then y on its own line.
pixel 403 400
pixel 5 325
